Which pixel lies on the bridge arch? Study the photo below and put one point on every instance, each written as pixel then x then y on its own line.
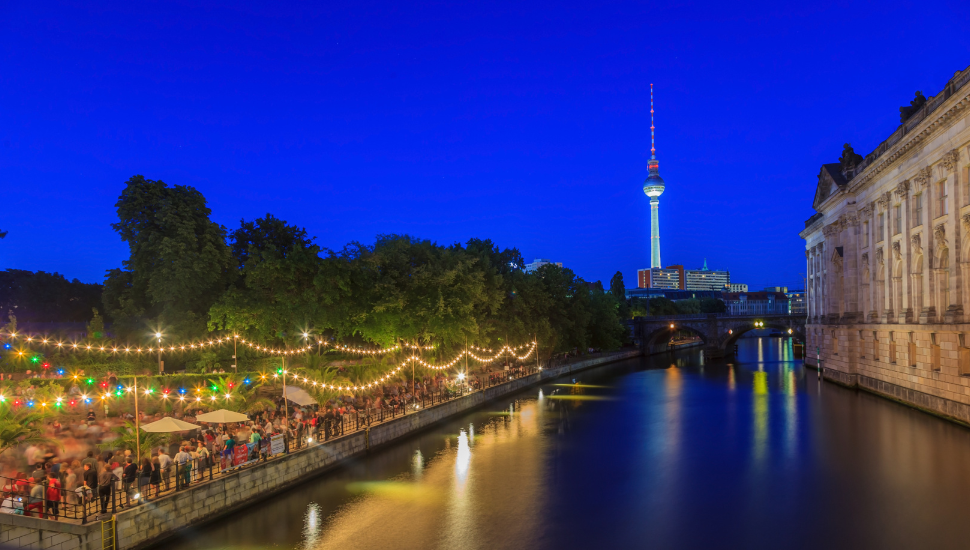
pixel 656 339
pixel 740 329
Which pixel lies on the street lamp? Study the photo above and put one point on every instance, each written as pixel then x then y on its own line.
pixel 159 336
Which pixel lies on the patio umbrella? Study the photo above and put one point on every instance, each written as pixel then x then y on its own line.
pixel 221 416
pixel 168 425
pixel 298 396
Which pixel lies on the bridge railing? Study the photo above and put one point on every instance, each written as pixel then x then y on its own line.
pixel 688 316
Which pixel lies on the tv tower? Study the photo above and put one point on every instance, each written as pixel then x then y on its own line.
pixel 653 187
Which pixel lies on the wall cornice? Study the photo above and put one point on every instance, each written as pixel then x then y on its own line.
pixel 938 120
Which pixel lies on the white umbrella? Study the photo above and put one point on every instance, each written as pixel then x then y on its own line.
pixel 168 425
pixel 221 416
pixel 299 396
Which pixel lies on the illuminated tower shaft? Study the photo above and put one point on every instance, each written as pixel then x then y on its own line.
pixel 653 187
pixel 655 232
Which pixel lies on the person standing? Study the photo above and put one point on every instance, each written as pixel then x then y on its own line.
pixel 105 479
pixel 90 483
pixel 183 462
pixel 165 462
pixel 156 477
pixel 144 477
pixel 53 497
pixel 130 476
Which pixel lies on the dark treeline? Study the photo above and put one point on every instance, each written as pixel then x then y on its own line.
pixel 39 297
pixel 187 275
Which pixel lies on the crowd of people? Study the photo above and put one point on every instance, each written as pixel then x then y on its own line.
pixel 84 468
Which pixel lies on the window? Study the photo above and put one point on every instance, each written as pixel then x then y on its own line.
pixel 941 209
pixel 865 234
pixel 898 220
pixel 882 228
pixel 918 210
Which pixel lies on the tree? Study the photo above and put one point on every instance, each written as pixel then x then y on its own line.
pixel 178 264
pixel 662 306
pixel 22 428
pixel 606 330
pixel 712 305
pixel 47 297
pixel 126 439
pixel 276 292
pixel 616 287
pixel 96 326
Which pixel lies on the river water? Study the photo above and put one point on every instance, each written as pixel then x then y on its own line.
pixel 667 451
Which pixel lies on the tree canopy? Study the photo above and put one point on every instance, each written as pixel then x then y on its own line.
pixel 179 259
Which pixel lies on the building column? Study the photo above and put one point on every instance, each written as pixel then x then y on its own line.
pixel 954 310
pixel 885 238
pixel 850 269
pixel 906 307
pixel 808 281
pixel 928 313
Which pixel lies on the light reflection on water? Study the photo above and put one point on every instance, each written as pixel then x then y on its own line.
pixel 746 454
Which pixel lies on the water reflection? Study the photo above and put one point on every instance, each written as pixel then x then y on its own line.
pixel 734 455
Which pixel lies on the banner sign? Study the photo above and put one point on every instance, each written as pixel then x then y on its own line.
pixel 242 454
pixel 276 445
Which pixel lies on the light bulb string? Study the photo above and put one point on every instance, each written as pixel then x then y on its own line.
pixel 196 345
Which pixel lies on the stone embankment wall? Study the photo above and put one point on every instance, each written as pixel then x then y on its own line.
pixel 206 501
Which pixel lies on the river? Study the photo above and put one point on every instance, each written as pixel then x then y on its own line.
pixel 662 452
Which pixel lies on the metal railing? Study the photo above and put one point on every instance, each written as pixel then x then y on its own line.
pixel 84 503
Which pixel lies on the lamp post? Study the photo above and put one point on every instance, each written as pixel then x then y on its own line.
pixel 235 362
pixel 159 336
pixel 137 433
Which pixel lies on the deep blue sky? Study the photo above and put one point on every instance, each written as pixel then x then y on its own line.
pixel 526 123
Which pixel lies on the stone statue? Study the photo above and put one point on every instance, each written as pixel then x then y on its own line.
pixel 849 159
pixel 906 112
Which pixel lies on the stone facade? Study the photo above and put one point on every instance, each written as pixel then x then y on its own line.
pixel 205 501
pixel 888 260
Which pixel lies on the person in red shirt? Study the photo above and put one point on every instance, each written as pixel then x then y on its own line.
pixel 53 497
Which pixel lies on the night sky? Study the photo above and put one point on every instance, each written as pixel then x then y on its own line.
pixel 526 123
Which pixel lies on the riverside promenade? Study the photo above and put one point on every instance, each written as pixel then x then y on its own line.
pixel 211 499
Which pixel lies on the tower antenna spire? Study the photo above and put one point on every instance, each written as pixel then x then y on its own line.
pixel 653 149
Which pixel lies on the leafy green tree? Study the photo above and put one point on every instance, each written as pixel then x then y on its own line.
pixel 409 289
pixel 662 306
pixel 688 306
pixel 22 428
pixel 128 439
pixel 96 326
pixel 616 287
pixel 712 305
pixel 179 260
pixel 606 330
pixel 47 297
pixel 276 292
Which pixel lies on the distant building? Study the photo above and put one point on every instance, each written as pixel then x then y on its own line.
pixel 776 289
pixel 756 303
pixel 682 284
pixel 738 287
pixel 706 279
pixel 537 263
pixel 643 278
pixel 796 301
pixel 671 277
pixel 670 294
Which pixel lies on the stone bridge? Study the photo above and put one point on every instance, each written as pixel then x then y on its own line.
pixel 719 331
